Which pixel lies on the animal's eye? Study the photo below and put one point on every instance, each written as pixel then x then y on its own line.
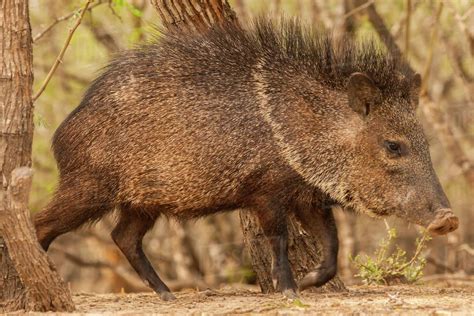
pixel 393 147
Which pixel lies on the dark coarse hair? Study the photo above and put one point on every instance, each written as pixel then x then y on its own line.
pixel 230 51
pixel 289 45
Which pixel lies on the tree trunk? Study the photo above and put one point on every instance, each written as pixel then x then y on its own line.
pixel 304 254
pixel 27 279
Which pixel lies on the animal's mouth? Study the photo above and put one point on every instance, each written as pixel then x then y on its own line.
pixel 444 222
pixel 362 206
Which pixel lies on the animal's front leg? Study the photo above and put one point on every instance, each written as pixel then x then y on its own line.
pixel 273 220
pixel 319 221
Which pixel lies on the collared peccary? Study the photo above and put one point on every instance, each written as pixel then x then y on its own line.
pixel 274 119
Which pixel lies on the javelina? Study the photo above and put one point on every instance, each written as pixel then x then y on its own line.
pixel 274 119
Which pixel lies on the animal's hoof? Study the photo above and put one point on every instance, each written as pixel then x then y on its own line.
pixel 320 276
pixel 309 280
pixel 290 294
pixel 167 296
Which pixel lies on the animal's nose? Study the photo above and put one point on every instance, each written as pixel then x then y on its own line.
pixel 444 222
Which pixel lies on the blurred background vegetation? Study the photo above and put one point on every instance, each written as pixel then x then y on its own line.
pixel 210 252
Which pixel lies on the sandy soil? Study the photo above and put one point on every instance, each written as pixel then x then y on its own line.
pixel 359 300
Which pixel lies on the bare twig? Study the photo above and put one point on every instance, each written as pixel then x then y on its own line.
pixel 420 246
pixel 318 13
pixel 47 29
pixel 468 249
pixel 407 29
pixel 114 13
pixel 429 60
pixel 382 30
pixel 439 264
pixel 397 28
pixel 358 9
pixel 103 36
pixel 348 22
pixel 462 24
pixel 400 26
pixel 445 133
pixel 81 262
pixel 63 51
pixel 455 59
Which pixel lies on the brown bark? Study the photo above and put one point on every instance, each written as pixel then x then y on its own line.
pixel 27 279
pixel 193 15
pixel 303 251
pixel 346 225
pixel 199 15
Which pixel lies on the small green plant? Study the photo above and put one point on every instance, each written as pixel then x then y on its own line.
pixel 127 5
pixel 385 268
pixel 298 303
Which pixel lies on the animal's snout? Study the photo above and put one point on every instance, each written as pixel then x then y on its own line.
pixel 444 222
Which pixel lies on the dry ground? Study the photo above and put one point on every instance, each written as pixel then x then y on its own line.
pixel 440 299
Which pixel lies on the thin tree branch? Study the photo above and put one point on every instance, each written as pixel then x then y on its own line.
pixel 382 30
pixel 455 59
pixel 103 36
pixel 63 51
pixel 429 60
pixel 348 23
pixel 462 24
pixel 467 13
pixel 400 26
pixel 359 8
pixel 407 29
pixel 445 133
pixel 320 14
pixel 466 248
pixel 47 29
pixel 439 264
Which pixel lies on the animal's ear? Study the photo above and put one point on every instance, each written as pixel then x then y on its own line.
pixel 362 93
pixel 415 89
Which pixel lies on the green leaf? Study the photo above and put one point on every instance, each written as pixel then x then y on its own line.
pixel 298 303
pixel 119 3
pixel 134 10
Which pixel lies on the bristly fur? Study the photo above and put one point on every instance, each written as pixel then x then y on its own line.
pixel 287 46
pixel 296 47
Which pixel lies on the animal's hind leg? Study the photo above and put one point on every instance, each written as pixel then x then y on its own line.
pixel 128 235
pixel 75 202
pixel 318 220
pixel 273 220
